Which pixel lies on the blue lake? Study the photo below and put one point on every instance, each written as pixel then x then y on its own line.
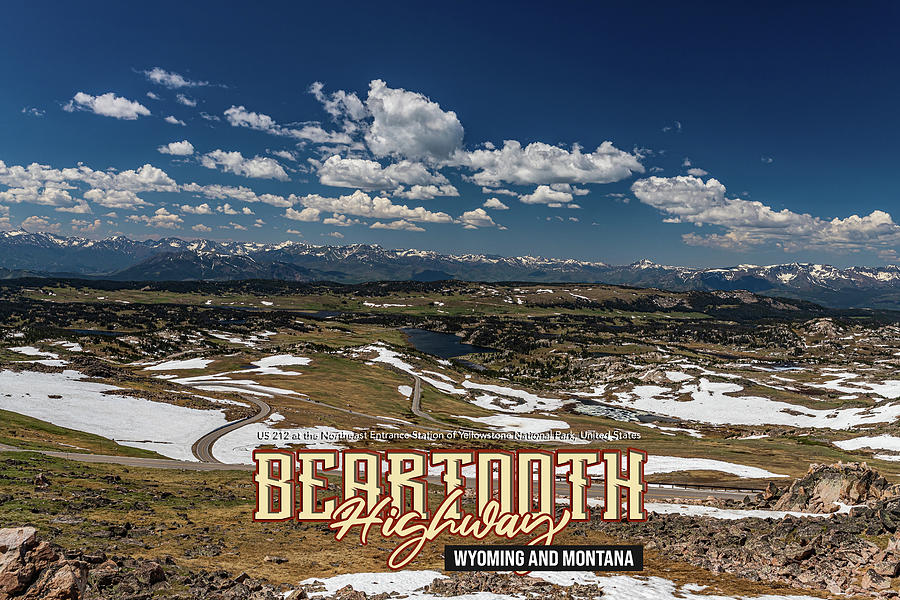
pixel 442 345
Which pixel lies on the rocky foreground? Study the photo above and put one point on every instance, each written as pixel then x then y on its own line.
pixel 37 570
pixel 846 541
pixel 853 550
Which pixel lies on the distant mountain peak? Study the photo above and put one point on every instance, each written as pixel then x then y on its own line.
pixel 174 258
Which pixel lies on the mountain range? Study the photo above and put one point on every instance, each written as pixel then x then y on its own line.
pixel 24 254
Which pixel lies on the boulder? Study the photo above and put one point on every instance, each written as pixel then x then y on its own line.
pixel 824 487
pixel 34 571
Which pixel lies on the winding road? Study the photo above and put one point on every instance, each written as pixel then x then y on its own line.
pixel 202 448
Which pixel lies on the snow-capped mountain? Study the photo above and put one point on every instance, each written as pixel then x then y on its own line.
pixel 119 257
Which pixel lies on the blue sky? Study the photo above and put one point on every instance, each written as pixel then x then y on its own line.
pixel 691 133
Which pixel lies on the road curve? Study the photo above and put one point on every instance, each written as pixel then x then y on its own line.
pixel 202 448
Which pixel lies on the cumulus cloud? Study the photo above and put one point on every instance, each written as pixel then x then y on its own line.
pixel 408 125
pixel 539 163
pixel 171 120
pixel 185 100
pixel 340 221
pixel 544 194
pixel 697 172
pixel 202 209
pixel 475 219
pixel 238 116
pixel 244 194
pixel 33 112
pixel 123 199
pixel 145 179
pixel 79 208
pixel 369 175
pixel 172 80
pixel 201 228
pixel 307 215
pixel 688 199
pixel 161 219
pixel 340 104
pixel 495 204
pixel 260 167
pixel 425 192
pixel 360 204
pixel 487 190
pixel 82 226
pixel 107 105
pixel 401 225
pixel 182 148
pixel 37 223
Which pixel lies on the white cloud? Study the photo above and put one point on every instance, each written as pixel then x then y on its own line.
pixel 227 209
pixel 244 194
pixel 202 209
pixel 340 105
pixel 307 215
pixel 340 221
pixel 361 204
pixel 201 228
pixel 174 121
pixel 123 199
pixel 766 160
pixel 401 225
pixel 238 116
pixel 107 105
pixel 161 219
pixel 185 100
pixel 170 79
pixel 487 190
pixel 539 163
pixel 80 208
pixel 370 175
pixel 153 96
pixel 544 194
pixel 37 223
pixel 687 199
pixel 495 204
pixel 474 219
pixel 409 125
pixel 285 154
pixel 33 112
pixel 425 192
pixel 295 232
pixel 146 178
pixel 260 167
pixel 182 148
pixel 675 127
pixel 335 234
pixel 86 226
pixel 697 172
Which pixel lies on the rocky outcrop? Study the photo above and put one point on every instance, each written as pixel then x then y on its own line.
pixel 825 487
pixel 35 571
pixel 850 553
